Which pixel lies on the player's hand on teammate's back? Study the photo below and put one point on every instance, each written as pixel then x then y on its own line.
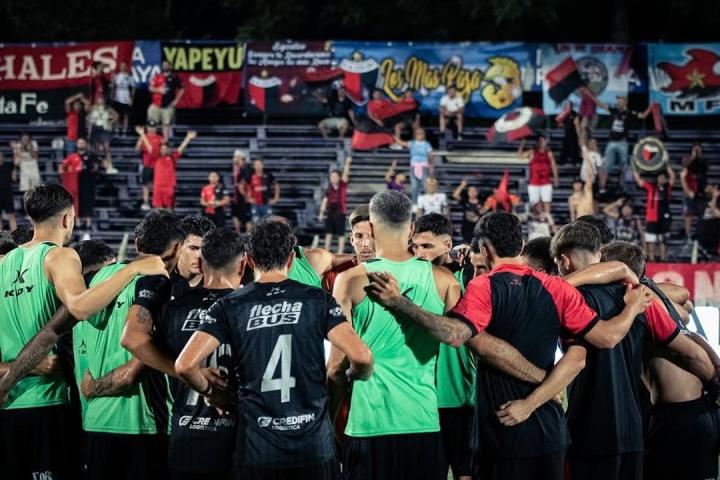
pixel 49 365
pixel 150 265
pixel 215 376
pixel 384 288
pixel 638 297
pixel 222 399
pixel 514 412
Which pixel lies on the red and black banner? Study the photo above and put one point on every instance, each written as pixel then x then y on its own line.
pixel 563 80
pixel 369 135
pixel 210 72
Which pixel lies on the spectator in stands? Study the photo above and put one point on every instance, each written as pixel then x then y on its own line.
pixel 501 200
pixel 263 191
pixel 569 120
pixel 214 197
pixel 102 118
pixel 587 110
pixel 452 108
pixel 542 163
pixel 693 179
pixel 167 90
pixel 395 180
pixel 165 177
pixel 149 143
pixel 87 182
pixel 468 197
pixel 242 171
pixel 539 223
pixel 100 83
pixel 657 211
pixel 626 225
pixel 377 107
pixel 25 158
pixel 582 200
pixel 340 114
pixel 592 160
pixel 616 151
pixel 76 108
pixel 334 207
pixel 123 93
pixel 420 161
pixel 69 170
pixel 8 176
pixel 432 201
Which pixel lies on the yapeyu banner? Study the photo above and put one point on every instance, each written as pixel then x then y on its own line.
pixel 210 72
pixel 489 76
pixel 605 69
pixel 684 78
pixel 36 80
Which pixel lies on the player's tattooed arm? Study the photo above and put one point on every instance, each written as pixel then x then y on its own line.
pixel 36 350
pixel 137 340
pixel 115 382
pixel 386 290
pixel 505 358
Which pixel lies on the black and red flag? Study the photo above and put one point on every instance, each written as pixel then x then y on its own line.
pixel 563 80
pixel 519 123
pixel 263 91
pixel 369 135
pixel 359 77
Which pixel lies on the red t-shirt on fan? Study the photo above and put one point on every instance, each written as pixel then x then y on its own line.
pixel 150 156
pixel 73 120
pixel 165 171
pixel 540 168
pixel 337 198
pixel 208 195
pixel 654 201
pixel 260 187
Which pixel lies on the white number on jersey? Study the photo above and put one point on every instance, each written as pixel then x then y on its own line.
pixel 282 354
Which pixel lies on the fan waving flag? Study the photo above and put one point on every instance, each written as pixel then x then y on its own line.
pixel 368 135
pixel 520 123
pixel 563 80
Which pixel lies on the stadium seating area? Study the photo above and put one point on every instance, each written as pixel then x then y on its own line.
pixel 301 159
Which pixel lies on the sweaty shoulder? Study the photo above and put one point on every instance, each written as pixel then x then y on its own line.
pixel 320 260
pixel 60 257
pixel 351 283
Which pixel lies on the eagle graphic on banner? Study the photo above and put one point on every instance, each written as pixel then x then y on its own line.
pixel 697 78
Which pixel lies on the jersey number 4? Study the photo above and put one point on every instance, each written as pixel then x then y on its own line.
pixel 282 354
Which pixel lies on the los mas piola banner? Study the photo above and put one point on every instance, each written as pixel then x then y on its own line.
pixel 35 80
pixel 489 76
pixel 210 72
pixel 684 78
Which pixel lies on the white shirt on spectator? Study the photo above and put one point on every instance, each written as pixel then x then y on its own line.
pixel 123 82
pixel 432 203
pixel 100 117
pixel 594 159
pixel 452 105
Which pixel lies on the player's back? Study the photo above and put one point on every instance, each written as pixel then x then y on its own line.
pixel 27 302
pixel 277 332
pixel 400 397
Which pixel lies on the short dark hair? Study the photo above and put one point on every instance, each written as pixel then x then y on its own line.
pixel 271 243
pixel 221 247
pixel 630 254
pixel 606 235
pixel 22 234
pixel 391 208
pixel 434 223
pixel 576 235
pixel 157 231
pixel 47 200
pixel 7 244
pixel 93 252
pixel 360 214
pixel 503 231
pixel 196 225
pixel 538 250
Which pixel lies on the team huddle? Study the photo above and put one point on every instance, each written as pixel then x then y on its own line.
pixel 207 357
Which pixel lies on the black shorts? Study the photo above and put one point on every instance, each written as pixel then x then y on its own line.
pixel 111 456
pixel 322 471
pixel 694 207
pixel 218 218
pixel 683 441
pixel 416 456
pixel 38 443
pixel 626 466
pixel 455 426
pixel 6 200
pixel 121 108
pixel 148 173
pixel 543 467
pixel 241 211
pixel 335 224
pixel 657 228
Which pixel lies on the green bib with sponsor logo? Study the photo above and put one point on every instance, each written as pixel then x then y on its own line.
pixel 129 412
pixel 27 302
pixel 301 270
pixel 400 397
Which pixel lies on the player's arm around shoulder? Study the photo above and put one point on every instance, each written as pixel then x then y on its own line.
pixel 447 286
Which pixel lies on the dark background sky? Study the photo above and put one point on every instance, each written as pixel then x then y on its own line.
pixel 437 20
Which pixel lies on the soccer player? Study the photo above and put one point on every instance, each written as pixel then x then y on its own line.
pixel 680 408
pixel 362 242
pixel 201 440
pixel 608 388
pixel 164 176
pixel 36 278
pixel 276 327
pixel 529 310
pixel 455 372
pixel 188 274
pixel 537 254
pixel 131 418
